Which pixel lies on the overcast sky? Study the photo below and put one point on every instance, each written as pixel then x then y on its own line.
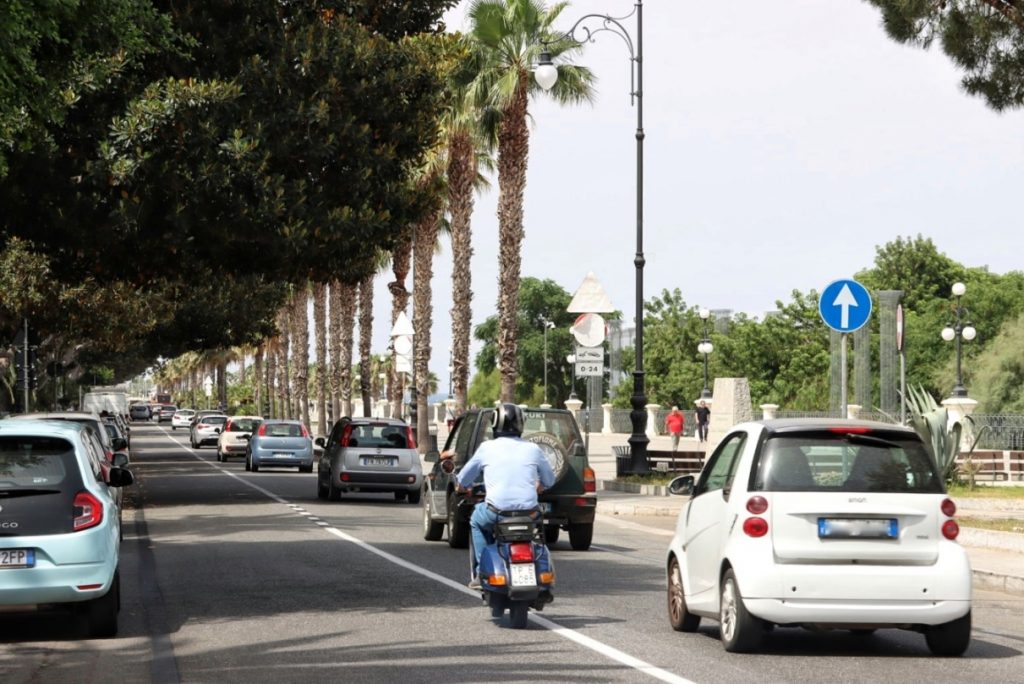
pixel 785 141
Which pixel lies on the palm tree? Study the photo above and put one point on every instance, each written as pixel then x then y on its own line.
pixel 284 390
pixel 320 330
pixel 365 337
pixel 401 256
pixel 257 378
pixel 342 322
pixel 506 38
pixel 299 320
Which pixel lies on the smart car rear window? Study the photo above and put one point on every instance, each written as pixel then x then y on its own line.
pixel 242 425
pixel 34 462
pixel 833 461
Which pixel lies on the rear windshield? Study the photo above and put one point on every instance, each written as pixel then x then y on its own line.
pixel 213 420
pixel 378 435
pixel 283 430
pixel 561 425
pixel 33 462
pixel 829 461
pixel 242 425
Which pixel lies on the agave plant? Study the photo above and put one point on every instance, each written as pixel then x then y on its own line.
pixel 931 421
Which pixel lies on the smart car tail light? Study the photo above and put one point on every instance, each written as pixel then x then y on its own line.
pixel 87 511
pixel 521 552
pixel 757 505
pixel 950 530
pixel 755 527
pixel 409 438
pixel 589 481
pixel 948 508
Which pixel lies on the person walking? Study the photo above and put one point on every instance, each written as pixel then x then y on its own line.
pixel 703 415
pixel 674 426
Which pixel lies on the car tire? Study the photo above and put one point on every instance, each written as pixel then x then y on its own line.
pixel 306 469
pixel 432 531
pixel 681 619
pixel 551 533
pixel 741 631
pixel 553 450
pixel 248 463
pixel 517 614
pixel 333 490
pixel 951 638
pixel 321 489
pixel 414 497
pixel 101 613
pixel 400 496
pixel 580 535
pixel 220 459
pixel 458 532
pixel 254 465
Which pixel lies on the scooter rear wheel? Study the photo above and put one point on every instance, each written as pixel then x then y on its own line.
pixel 517 612
pixel 497 604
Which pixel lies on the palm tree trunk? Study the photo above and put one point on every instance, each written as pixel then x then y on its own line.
pixel 365 337
pixel 343 315
pixel 320 331
pixel 462 171
pixel 400 258
pixel 300 352
pixel 284 388
pixel 272 396
pixel 257 379
pixel 423 254
pixel 222 382
pixel 513 150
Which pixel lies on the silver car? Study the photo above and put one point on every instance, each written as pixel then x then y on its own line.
pixel 280 443
pixel 369 455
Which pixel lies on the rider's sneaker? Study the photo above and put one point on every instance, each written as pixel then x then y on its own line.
pixel 474 583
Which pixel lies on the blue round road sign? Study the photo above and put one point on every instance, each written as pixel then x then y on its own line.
pixel 845 305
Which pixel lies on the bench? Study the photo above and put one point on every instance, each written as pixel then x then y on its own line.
pixel 680 463
pixel 996 466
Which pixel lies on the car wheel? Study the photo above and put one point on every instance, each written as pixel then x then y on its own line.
pixel 551 533
pixel 580 535
pixel 517 612
pixel 950 639
pixel 174 427
pixel 248 463
pixel 220 459
pixel 400 496
pixel 681 619
pixel 458 532
pixel 432 531
pixel 321 488
pixel 333 490
pixel 741 631
pixel 101 613
pixel 414 497
pixel 254 465
pixel 306 469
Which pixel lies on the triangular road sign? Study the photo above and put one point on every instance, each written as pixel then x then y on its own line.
pixel 590 297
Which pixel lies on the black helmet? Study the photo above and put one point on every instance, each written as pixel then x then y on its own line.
pixel 508 421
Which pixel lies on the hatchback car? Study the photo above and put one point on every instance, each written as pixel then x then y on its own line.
pixel 369 455
pixel 61 540
pixel 206 430
pixel 140 412
pixel 182 418
pixel 234 439
pixel 280 443
pixel 167 412
pixel 821 524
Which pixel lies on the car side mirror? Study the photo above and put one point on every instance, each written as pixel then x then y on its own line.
pixel 320 442
pixel 681 486
pixel 120 477
pixel 120 459
pixel 120 444
pixel 432 456
pixel 216 431
pixel 246 436
pixel 448 466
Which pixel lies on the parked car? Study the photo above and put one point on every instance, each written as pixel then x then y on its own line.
pixel 117 439
pixel 234 440
pixel 821 524
pixel 167 412
pixel 369 455
pixel 204 412
pixel 182 418
pixel 569 505
pixel 61 540
pixel 280 443
pixel 140 412
pixel 206 430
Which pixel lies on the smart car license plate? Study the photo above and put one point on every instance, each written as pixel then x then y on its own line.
pixel 523 575
pixel 17 558
pixel 378 461
pixel 858 528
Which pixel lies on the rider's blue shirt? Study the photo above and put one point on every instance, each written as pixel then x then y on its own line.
pixel 512 467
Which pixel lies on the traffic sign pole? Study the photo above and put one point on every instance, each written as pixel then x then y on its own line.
pixel 843 409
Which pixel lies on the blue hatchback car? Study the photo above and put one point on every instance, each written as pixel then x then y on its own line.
pixel 59 523
pixel 280 443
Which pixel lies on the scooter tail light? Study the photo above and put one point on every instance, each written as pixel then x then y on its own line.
pixel 589 480
pixel 497 580
pixel 755 527
pixel 950 530
pixel 948 508
pixel 757 505
pixel 521 552
pixel 88 511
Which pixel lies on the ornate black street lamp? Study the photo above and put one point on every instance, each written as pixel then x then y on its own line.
pixel 546 75
pixel 571 360
pixel 958 330
pixel 705 347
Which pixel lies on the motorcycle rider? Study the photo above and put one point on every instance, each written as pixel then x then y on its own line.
pixel 515 471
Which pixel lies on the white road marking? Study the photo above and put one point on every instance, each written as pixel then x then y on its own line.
pixel 626 525
pixel 564 632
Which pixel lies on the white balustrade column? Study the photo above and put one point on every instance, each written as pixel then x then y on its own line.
pixel 606 429
pixel 769 411
pixel 652 417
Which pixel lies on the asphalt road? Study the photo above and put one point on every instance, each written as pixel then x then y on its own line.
pixel 230 576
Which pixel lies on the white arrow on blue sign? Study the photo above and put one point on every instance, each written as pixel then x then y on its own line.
pixel 845 305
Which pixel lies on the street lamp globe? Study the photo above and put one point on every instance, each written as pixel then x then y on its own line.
pixel 545 73
pixel 705 314
pixel 969 333
pixel 959 289
pixel 948 334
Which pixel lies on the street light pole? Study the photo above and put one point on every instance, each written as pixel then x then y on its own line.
pixel 571 360
pixel 547 325
pixel 959 330
pixel 705 347
pixel 546 75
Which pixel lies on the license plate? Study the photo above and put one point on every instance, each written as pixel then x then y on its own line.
pixel 523 575
pixel 858 528
pixel 17 558
pixel 281 454
pixel 378 461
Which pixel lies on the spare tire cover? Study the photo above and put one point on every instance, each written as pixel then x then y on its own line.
pixel 553 450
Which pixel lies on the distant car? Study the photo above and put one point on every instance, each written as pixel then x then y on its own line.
pixel 369 455
pixel 206 430
pixel 204 412
pixel 182 418
pixel 117 439
pixel 280 443
pixel 234 440
pixel 167 412
pixel 139 412
pixel 61 541
pixel 825 524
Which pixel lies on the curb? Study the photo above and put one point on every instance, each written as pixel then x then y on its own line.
pixel 993 581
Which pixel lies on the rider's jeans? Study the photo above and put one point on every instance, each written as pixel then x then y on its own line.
pixel 482 526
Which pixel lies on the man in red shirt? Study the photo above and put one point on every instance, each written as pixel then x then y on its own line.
pixel 674 426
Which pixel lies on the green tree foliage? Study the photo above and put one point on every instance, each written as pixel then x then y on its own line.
pixel 985 38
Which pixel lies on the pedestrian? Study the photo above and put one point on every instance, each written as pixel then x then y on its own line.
pixel 703 415
pixel 674 426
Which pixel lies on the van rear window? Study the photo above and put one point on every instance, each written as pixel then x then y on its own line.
pixel 31 462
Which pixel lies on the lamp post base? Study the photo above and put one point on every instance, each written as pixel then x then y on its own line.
pixel 638 441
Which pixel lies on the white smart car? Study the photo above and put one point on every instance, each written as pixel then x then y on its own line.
pixel 182 418
pixel 822 524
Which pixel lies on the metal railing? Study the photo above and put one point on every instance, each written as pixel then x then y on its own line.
pixel 1002 431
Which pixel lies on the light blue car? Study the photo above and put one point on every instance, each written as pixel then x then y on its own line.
pixel 280 443
pixel 59 521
